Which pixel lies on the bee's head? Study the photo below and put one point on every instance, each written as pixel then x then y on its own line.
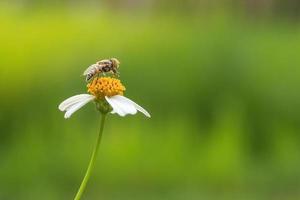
pixel 115 62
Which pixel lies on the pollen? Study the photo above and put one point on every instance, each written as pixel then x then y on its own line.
pixel 105 86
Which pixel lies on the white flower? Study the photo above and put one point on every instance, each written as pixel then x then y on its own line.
pixel 103 90
pixel 120 104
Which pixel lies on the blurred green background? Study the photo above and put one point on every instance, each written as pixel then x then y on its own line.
pixel 220 79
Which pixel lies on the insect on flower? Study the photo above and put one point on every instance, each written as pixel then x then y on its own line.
pixel 107 93
pixel 102 66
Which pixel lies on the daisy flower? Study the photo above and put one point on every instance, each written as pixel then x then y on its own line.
pixel 107 93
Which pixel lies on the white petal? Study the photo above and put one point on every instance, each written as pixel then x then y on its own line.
pixel 74 107
pixel 123 106
pixel 120 107
pixel 73 100
pixel 126 106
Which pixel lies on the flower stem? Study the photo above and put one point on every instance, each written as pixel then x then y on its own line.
pixel 92 161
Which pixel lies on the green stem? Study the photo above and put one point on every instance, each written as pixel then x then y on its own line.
pixel 92 161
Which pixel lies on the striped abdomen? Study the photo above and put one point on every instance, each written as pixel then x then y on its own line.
pixel 92 73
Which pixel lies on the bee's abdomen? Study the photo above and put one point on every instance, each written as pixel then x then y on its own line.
pixel 89 76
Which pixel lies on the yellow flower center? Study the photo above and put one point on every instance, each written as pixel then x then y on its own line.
pixel 105 86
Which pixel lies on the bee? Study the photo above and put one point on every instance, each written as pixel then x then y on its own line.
pixel 101 67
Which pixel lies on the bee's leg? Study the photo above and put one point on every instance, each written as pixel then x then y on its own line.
pixel 112 73
pixel 115 73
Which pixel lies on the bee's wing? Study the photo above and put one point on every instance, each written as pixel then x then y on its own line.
pixel 89 69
